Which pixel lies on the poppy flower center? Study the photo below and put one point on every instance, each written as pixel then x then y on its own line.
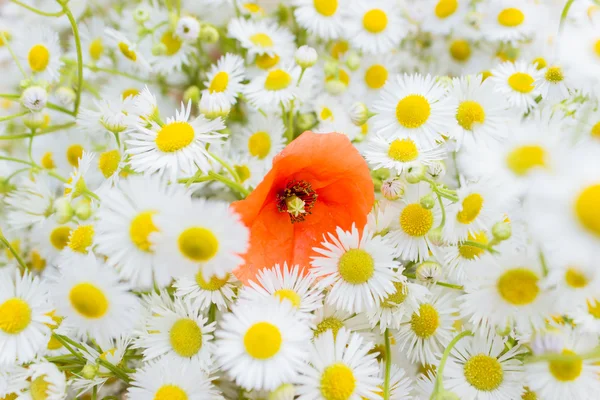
pixel 297 198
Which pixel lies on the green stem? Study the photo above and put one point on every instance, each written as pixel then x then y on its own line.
pixel 51 106
pixel 9 117
pixel 95 393
pixel 233 185
pixel 439 379
pixel 388 365
pixel 69 15
pixel 543 263
pixel 443 222
pixel 212 313
pixel 13 55
pixel 564 14
pixel 107 70
pixel 17 161
pixel 290 124
pixel 65 342
pixel 13 251
pixel 228 167
pixel 444 284
pixel 300 77
pixel 35 10
pixel 118 372
pixel 479 246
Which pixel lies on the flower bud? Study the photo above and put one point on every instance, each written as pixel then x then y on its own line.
pixel 89 371
pixel 436 237
pixel 429 271
pixel 63 210
pixel 330 68
pixel 427 202
pixel 209 34
pixel 34 120
pixel 141 14
pixel 83 209
pixel 306 56
pixel 359 113
pixel 65 95
pixel 502 230
pixel 436 169
pixel 159 49
pixel 188 28
pixel 34 98
pixel 306 121
pixel 415 173
pixel 335 86
pixel 283 392
pixel 192 93
pixel 353 61
pixel 392 189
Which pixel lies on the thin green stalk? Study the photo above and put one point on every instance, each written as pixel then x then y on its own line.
pixel 443 222
pixel 479 246
pixel 439 379
pixel 30 147
pixel 118 372
pixel 226 166
pixel 35 10
pixel 13 251
pixel 564 14
pixel 5 158
pixel 15 173
pixel 439 283
pixel 543 263
pixel 69 15
pixel 233 185
pixel 388 365
pixel 212 313
pixel 65 342
pixel 9 117
pixel 51 106
pixel 290 124
pixel 13 55
pixel 95 393
pixel 300 77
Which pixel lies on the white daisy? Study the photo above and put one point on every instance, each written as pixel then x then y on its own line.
pixel 426 332
pixel 443 16
pixel 204 292
pixel 554 83
pixel 200 234
pixel 587 318
pixel 462 259
pixel 330 318
pixel 510 20
pixel 518 83
pixel 38 49
pixel 262 138
pixel 286 283
pixel 93 43
pixel 359 267
pixel 176 148
pixel 262 37
pixel 262 344
pixel 375 26
pixel 93 300
pixel 322 18
pixel 341 367
pixel 50 238
pixel 127 51
pixel 170 379
pixel 175 52
pixel 579 49
pixel 30 203
pixel 24 317
pixel 179 331
pixel 46 382
pixel 224 80
pixel 273 88
pixel 416 107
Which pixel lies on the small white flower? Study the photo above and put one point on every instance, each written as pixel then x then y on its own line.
pixel 306 56
pixel 34 98
pixel 188 28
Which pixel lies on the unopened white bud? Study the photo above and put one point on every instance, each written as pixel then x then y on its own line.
pixel 353 61
pixel 89 371
pixel 159 49
pixel 427 202
pixel 63 210
pixel 392 189
pixel 213 109
pixel 34 98
pixel 335 87
pixel 188 28
pixel 415 174
pixel 306 121
pixel 209 34
pixel 429 271
pixel 502 230
pixel 436 169
pixel 436 237
pixel 141 14
pixel 65 95
pixel 34 120
pixel 359 113
pixel 330 68
pixel 83 209
pixel 192 93
pixel 306 56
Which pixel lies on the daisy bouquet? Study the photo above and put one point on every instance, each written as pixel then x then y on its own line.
pixel 303 199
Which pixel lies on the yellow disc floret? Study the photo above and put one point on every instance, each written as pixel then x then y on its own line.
pixel 38 58
pixel 337 382
pixel 88 300
pixel 425 323
pixel 587 209
pixel 445 8
pixel 376 76
pixel 415 220
pixel 278 79
pixel 185 337
pixel 523 159
pixel 356 266
pixel 326 7
pixel 568 369
pixel 259 144
pixel 262 340
pixel 170 392
pixel 511 17
pixel 471 207
pixel 174 136
pixel 483 372
pixel 81 238
pixel 470 113
pixel 15 316
pixel 289 295
pixel 198 244
pixel 140 229
pixel 219 82
pixel 413 111
pixel 375 20
pixel 518 286
pixel 403 150
pixel 521 82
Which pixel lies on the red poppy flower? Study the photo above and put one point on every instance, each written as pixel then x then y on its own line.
pixel 317 183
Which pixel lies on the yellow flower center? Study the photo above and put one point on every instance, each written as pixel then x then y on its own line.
pixel 339 48
pixel 470 112
pixel 131 92
pixel 597 47
pixel 171 42
pixel 554 75
pixel 376 76
pixel 472 252
pixel 74 153
pixel 243 172
pixel 127 52
pixel 396 298
pixel 265 61
pixel 413 111
pixel 108 162
pixel 262 340
pixel 337 382
pixel 214 283
pixel 471 207
pixel 278 79
pixel 81 238
pixel 518 286
pixel 219 82
pixel 185 337
pixel 37 262
pixel 511 17
pixel 596 130
pixel 38 58
pixel 290 295
pixel 403 150
pixel 253 8
pixel 566 370
pixel 198 244
pixel 356 266
pixel 59 237
pixel 15 316
pixel 170 392
pixel 575 278
pixel 39 388
pixel 140 229
pixel 521 82
pixel 4 37
pixel 88 300
pixel 460 50
pixel 594 308
pixel 330 323
pixel 341 75
pixel 522 159
pixel 96 49
pixel 326 7
pixel 48 160
pixel 262 40
pixel 174 136
pixel 528 394
pixel 425 323
pixel 375 20
pixel 259 144
pixel 587 209
pixel 540 63
pixel 483 372
pixel 326 114
pixel 445 8
pixel 416 220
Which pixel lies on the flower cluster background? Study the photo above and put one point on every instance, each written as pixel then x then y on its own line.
pixel 301 199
